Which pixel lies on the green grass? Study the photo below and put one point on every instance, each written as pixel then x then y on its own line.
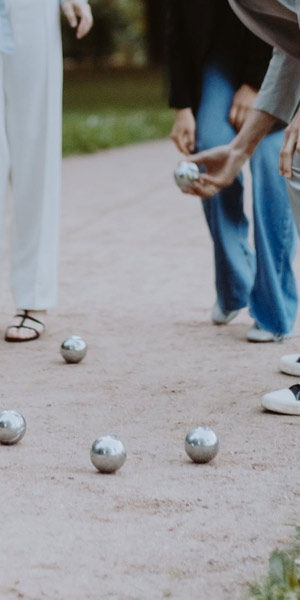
pixel 113 109
pixel 283 579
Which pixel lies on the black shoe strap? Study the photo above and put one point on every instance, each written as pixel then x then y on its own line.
pixel 27 316
pixel 296 390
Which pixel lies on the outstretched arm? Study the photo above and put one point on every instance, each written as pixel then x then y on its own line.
pixel 274 103
pixel 223 163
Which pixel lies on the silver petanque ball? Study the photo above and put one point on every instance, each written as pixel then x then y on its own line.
pixel 73 349
pixel 12 427
pixel 108 454
pixel 202 444
pixel 185 174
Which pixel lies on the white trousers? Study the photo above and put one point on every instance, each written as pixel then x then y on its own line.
pixel 30 148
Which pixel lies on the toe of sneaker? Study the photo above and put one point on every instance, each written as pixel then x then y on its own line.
pixel 281 401
pixel 289 364
pixel 260 335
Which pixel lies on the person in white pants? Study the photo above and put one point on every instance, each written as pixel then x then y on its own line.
pixel 30 148
pixel 277 22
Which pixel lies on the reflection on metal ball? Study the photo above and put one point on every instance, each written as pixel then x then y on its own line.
pixel 73 349
pixel 12 427
pixel 185 174
pixel 202 444
pixel 108 454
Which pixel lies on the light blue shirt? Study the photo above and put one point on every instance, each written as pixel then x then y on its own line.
pixel 7 45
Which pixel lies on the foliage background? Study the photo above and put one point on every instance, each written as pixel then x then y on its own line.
pixel 115 82
pixel 118 38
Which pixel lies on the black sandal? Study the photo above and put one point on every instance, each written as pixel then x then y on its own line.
pixel 25 316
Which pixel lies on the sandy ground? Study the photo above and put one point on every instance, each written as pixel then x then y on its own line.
pixel 137 284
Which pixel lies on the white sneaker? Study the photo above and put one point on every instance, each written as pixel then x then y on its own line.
pixel 290 364
pixel 222 317
pixel 285 402
pixel 256 334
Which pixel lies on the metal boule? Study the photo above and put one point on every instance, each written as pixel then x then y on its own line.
pixel 108 454
pixel 73 349
pixel 12 427
pixel 186 174
pixel 202 444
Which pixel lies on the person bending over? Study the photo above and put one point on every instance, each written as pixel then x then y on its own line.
pixel 216 67
pixel 276 22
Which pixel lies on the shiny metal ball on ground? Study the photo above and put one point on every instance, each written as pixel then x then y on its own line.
pixel 185 174
pixel 108 454
pixel 202 444
pixel 12 427
pixel 73 349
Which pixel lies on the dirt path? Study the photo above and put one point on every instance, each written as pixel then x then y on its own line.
pixel 137 284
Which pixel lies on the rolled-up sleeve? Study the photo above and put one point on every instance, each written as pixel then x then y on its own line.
pixel 280 91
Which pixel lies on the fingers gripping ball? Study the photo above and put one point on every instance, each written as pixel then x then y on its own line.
pixel 12 427
pixel 73 349
pixel 202 444
pixel 108 454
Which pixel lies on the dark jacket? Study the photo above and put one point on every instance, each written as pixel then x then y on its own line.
pixel 198 29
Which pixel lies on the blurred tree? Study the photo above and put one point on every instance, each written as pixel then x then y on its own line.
pixel 125 32
pixel 102 41
pixel 131 40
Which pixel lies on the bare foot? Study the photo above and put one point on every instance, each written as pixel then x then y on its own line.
pixel 26 325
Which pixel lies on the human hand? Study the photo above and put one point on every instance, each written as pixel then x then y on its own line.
pixel 291 144
pixel 79 15
pixel 243 102
pixel 183 130
pixel 222 165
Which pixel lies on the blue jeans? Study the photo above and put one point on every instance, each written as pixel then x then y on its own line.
pixel 262 280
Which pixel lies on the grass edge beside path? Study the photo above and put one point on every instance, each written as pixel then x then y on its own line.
pixel 283 579
pixel 114 108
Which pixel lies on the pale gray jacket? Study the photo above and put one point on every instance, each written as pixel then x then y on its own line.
pixel 277 23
